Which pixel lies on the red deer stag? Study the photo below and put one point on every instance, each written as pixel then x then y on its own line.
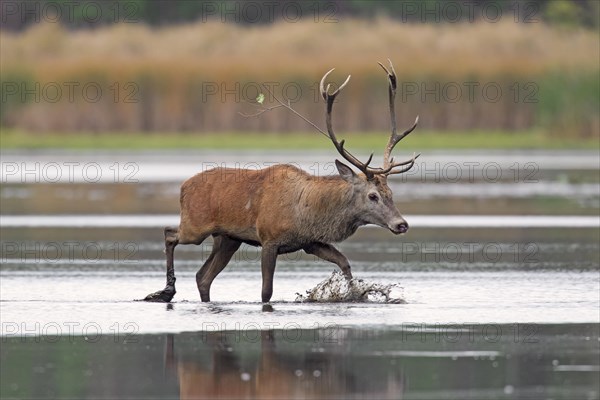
pixel 284 209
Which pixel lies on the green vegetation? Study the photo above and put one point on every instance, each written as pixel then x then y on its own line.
pixel 568 101
pixel 156 13
pixel 371 141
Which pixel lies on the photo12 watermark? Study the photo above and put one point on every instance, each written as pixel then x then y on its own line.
pixel 69 251
pixel 68 172
pixel 426 171
pixel 70 92
pixel 468 11
pixel 408 91
pixel 469 333
pixel 53 332
pixel 468 91
pixel 407 332
pixel 71 12
pixel 469 252
pixel 249 12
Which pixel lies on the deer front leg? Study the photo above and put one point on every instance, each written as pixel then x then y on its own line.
pixel 166 295
pixel 329 253
pixel 268 261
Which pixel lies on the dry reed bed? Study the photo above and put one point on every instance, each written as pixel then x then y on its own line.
pixel 171 68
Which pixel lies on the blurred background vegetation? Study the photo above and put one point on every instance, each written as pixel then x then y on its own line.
pixel 473 69
pixel 170 12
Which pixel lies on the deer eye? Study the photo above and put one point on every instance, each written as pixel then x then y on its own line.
pixel 373 197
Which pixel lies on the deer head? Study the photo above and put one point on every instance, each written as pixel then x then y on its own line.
pixel 372 195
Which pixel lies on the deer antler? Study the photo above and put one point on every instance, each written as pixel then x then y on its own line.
pixel 389 166
pixel 388 163
pixel 330 98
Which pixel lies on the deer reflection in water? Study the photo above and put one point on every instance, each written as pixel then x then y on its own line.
pixel 279 372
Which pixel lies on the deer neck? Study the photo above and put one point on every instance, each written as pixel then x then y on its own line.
pixel 326 210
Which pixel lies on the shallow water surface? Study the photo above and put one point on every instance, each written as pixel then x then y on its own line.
pixel 527 361
pixel 492 314
pixel 499 282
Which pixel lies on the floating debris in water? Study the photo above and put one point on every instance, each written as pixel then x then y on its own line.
pixel 337 288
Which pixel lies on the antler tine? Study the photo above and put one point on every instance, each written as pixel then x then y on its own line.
pixel 322 84
pixel 410 163
pixel 392 96
pixel 392 67
pixel 389 170
pixel 369 160
pixel 383 67
pixel 394 137
pixel 343 85
pixel 325 90
pixel 398 164
pixel 390 74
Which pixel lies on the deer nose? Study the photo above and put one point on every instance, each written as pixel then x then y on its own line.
pixel 399 227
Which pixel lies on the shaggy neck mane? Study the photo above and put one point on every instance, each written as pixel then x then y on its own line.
pixel 324 209
pixel 326 193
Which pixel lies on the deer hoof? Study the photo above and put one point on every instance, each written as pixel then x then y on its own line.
pixel 162 296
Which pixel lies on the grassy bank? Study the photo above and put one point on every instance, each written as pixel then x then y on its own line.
pixel 371 141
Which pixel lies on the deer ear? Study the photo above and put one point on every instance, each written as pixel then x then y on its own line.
pixel 345 171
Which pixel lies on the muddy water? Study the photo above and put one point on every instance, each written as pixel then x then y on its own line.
pixel 488 310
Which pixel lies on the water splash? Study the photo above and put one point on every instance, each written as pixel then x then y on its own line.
pixel 337 288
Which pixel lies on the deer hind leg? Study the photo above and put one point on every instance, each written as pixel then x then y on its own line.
pixel 329 253
pixel 223 249
pixel 166 295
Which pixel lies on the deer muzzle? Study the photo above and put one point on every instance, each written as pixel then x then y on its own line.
pixel 398 226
